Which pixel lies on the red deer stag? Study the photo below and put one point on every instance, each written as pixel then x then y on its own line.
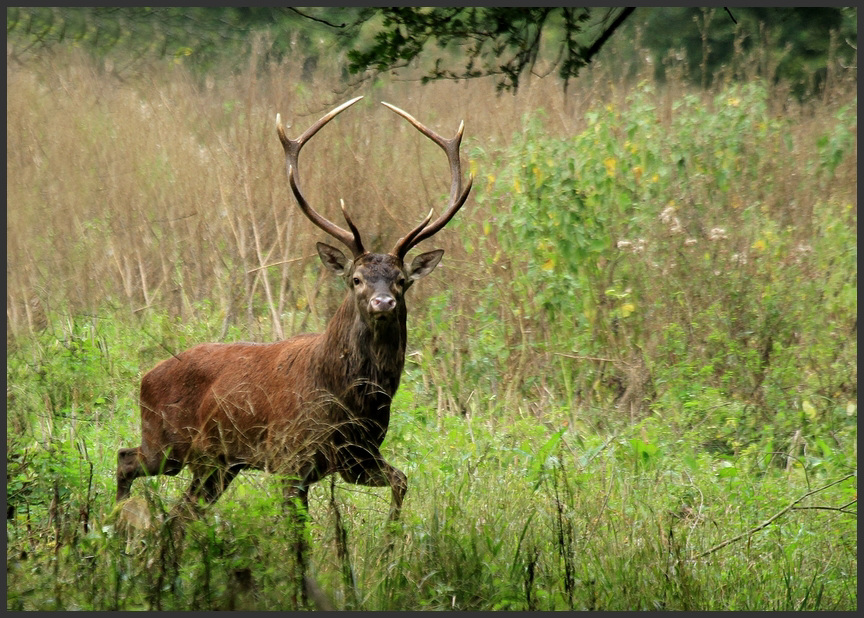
pixel 306 407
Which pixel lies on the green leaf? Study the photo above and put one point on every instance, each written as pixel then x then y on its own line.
pixel 539 460
pixel 728 472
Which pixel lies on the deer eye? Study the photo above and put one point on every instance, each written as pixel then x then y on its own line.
pixel 356 280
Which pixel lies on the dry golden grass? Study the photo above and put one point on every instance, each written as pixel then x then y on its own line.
pixel 160 192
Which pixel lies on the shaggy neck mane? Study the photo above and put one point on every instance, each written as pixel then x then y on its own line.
pixel 363 365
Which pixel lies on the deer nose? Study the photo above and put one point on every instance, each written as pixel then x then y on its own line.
pixel 382 303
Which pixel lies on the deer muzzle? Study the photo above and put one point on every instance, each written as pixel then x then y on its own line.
pixel 382 304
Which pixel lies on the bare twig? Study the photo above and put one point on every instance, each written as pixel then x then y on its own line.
pixel 841 509
pixel 318 19
pixel 731 16
pixel 774 517
pixel 252 270
pixel 606 34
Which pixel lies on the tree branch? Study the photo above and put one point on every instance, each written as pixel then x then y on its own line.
pixel 771 519
pixel 841 509
pixel 604 36
pixel 318 19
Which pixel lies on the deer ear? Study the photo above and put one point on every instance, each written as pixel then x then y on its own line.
pixel 333 259
pixel 424 264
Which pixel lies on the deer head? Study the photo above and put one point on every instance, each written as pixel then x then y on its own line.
pixel 378 281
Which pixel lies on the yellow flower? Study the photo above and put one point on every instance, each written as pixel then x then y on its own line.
pixel 538 174
pixel 610 164
pixel 759 245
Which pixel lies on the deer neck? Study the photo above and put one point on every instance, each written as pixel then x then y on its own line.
pixel 362 363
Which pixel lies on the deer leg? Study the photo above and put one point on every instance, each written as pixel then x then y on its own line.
pixel 398 487
pixel 373 471
pixel 133 462
pixel 297 501
pixel 207 485
pixel 294 491
pixel 295 486
pixel 296 497
pixel 217 482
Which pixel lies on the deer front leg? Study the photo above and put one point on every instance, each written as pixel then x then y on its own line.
pixel 375 472
pixel 398 487
pixel 296 500
pixel 379 473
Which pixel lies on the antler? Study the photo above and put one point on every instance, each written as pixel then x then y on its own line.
pixel 457 194
pixel 292 150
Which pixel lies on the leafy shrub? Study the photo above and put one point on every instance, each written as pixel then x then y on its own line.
pixel 657 235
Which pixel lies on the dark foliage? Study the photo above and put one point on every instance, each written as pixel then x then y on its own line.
pixel 501 41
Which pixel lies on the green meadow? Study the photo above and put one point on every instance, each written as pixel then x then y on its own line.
pixel 631 384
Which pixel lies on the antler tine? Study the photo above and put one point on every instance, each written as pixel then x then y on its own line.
pixel 292 151
pixel 458 195
pixel 407 241
pixel 353 227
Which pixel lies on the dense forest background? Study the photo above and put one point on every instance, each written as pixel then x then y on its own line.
pixel 631 383
pixel 798 43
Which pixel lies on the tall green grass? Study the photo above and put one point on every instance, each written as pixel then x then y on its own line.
pixel 631 385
